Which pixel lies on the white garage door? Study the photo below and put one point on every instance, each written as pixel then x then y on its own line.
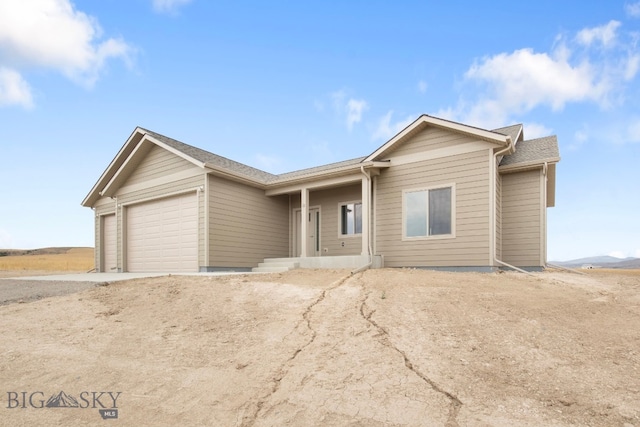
pixel 109 260
pixel 163 235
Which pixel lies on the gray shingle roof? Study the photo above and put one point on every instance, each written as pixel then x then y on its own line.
pixel 233 166
pixel 533 150
pixel 526 151
pixel 316 169
pixel 511 131
pixel 213 159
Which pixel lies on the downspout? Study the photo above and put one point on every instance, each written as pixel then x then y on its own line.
pixel 543 239
pixel 508 148
pixel 369 225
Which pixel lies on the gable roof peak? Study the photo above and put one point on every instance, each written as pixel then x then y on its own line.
pixel 427 120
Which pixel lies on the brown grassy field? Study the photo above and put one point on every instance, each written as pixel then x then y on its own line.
pixel 49 259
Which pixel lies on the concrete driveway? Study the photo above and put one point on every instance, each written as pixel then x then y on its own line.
pixel 109 277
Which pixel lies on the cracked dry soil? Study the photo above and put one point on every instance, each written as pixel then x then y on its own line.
pixel 324 348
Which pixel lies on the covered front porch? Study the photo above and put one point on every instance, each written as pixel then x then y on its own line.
pixel 330 218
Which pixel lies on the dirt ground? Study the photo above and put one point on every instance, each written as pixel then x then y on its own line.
pixel 324 348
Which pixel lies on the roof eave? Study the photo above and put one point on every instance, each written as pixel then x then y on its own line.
pixel 226 173
pixel 528 165
pixel 330 173
pixel 106 176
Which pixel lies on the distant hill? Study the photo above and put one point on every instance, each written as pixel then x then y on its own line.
pixel 41 251
pixel 601 261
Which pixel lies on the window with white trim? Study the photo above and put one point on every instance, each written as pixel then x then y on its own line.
pixel 351 218
pixel 428 212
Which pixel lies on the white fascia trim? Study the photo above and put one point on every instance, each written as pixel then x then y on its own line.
pixel 534 164
pixel 225 173
pixel 356 167
pixel 329 178
pixel 107 188
pixel 98 184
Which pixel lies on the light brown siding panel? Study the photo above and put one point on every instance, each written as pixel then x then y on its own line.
pixel 329 201
pixel 431 138
pixel 521 219
pixel 158 163
pixel 245 225
pixel 469 172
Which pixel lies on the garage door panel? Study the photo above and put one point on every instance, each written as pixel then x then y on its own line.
pixel 163 235
pixel 109 252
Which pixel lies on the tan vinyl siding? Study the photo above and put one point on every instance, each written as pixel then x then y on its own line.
pixel 329 202
pixel 245 226
pixel 429 139
pixel 331 236
pixel 521 218
pixel 469 173
pixel 143 185
pixel 158 163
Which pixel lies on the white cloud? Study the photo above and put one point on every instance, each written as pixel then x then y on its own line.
pixel 605 34
pixel 508 85
pixel 168 6
pixel 51 34
pixel 637 253
pixel 633 130
pixel 580 137
pixel 14 90
pixel 422 86
pixel 355 108
pixel 536 130
pixel 352 108
pixel 632 9
pixel 386 130
pixel 632 66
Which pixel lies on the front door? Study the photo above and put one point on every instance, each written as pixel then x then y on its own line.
pixel 313 232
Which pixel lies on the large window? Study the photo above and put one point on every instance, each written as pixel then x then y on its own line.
pixel 351 218
pixel 428 212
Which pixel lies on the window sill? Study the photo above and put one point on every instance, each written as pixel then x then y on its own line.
pixel 426 238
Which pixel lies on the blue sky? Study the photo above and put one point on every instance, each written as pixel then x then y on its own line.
pixel 287 85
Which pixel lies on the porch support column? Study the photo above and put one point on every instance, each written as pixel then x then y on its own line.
pixel 304 221
pixel 366 212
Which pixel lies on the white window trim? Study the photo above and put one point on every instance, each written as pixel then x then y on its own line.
pixel 346 236
pixel 453 213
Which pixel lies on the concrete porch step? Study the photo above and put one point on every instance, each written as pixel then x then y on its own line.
pixel 270 269
pixel 276 265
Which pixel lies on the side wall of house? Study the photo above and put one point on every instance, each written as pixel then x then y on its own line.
pixel 332 243
pixel 452 159
pixel 523 218
pixel 245 226
pixel 158 175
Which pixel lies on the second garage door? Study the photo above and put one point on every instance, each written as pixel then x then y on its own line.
pixel 163 235
pixel 109 259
